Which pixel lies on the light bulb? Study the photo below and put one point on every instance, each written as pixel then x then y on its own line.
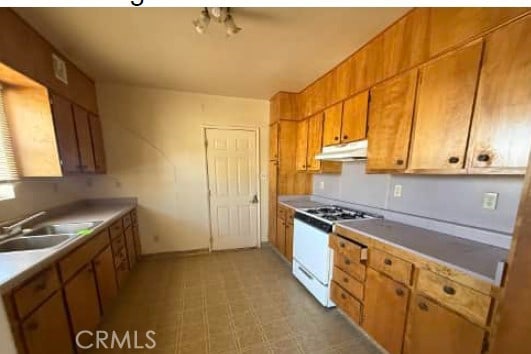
pixel 230 26
pixel 202 22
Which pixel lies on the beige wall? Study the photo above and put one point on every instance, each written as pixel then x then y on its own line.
pixel 154 148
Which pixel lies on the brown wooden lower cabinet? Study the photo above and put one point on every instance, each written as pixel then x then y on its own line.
pixel 130 245
pixel 46 331
pixel 82 299
pixel 385 310
pixel 281 236
pixel 435 330
pixel 106 278
pixel 289 241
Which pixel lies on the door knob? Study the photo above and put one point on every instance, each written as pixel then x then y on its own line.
pixel 254 200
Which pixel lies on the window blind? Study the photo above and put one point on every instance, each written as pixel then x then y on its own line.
pixel 8 168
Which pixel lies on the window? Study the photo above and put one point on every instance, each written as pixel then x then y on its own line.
pixel 8 169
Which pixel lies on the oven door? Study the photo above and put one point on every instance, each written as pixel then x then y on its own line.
pixel 310 249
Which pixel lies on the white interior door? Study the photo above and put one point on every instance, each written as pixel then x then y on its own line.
pixel 233 184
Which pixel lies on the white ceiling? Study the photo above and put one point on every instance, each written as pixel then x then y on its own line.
pixel 278 48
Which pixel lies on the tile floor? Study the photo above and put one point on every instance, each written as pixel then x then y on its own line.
pixel 229 302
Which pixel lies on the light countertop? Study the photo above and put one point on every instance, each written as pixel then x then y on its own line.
pixel 475 258
pixel 16 267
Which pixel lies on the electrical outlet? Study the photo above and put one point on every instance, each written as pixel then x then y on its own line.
pixel 490 201
pixel 397 191
pixel 321 185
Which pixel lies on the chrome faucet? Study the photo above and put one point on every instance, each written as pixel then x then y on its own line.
pixel 16 228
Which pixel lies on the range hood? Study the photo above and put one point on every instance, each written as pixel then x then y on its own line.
pixel 354 151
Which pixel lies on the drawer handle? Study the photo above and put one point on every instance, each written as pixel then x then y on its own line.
pixel 306 273
pixel 483 157
pixel 449 290
pixel 399 162
pixel 347 261
pixel 40 286
pixel 423 306
pixel 388 262
pixel 336 138
pixel 343 296
pixel 345 136
pixel 32 326
pixel 342 244
pixel 399 291
pixel 345 280
pixel 453 159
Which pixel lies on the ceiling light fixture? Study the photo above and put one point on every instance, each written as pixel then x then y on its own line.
pixel 219 14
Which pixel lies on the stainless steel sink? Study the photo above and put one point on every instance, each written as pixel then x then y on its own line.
pixel 58 229
pixel 26 243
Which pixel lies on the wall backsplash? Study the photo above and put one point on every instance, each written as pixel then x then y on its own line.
pixel 454 199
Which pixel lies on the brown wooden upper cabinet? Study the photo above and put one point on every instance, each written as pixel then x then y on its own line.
pixel 445 98
pixel 84 140
pixel 501 127
pixel 79 138
pixel 354 121
pixel 301 149
pixel 390 120
pixel 273 142
pixel 332 124
pixel 100 165
pixel 315 140
pixel 65 131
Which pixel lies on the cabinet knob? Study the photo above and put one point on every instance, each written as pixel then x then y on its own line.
pixel 342 244
pixel 423 306
pixel 345 280
pixel 336 138
pixel 32 326
pixel 388 262
pixel 453 159
pixel 449 290
pixel 343 296
pixel 483 157
pixel 399 162
pixel 347 261
pixel 40 286
pixel 399 291
pixel 345 136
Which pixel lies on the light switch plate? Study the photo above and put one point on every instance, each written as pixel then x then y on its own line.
pixel 321 185
pixel 397 191
pixel 490 201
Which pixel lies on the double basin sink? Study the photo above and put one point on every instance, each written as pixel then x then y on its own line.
pixel 46 236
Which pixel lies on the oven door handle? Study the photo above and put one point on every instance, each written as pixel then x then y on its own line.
pixel 306 273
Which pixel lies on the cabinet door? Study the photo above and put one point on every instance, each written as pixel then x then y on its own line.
pixel 436 330
pixel 130 245
pixel 444 109
pixel 501 126
pixel 65 131
pixel 84 140
pixel 289 241
pixel 301 150
pixel 106 278
pixel 332 124
pixel 97 144
pixel 384 316
pixel 354 126
pixel 273 175
pixel 281 236
pixel 390 119
pixel 82 299
pixel 273 142
pixel 315 139
pixel 46 331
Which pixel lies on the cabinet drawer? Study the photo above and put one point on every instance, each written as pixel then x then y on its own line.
pixel 346 302
pixel 290 213
pixel 462 299
pixel 120 257
pixel 126 220
pixel 117 244
pixel 354 251
pixel 35 291
pixel 346 264
pixel 116 229
pixel 395 267
pixel 354 287
pixel 82 255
